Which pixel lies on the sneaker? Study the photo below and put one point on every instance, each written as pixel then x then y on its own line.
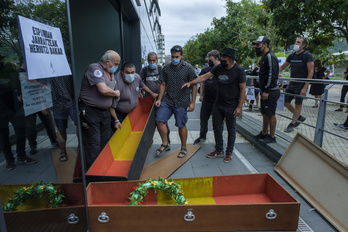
pixel 26 160
pixel 228 157
pixel 340 126
pixel 260 136
pixel 301 119
pixel 339 109
pixel 290 128
pixel 346 111
pixel 10 165
pixel 199 139
pixel 216 154
pixel 268 139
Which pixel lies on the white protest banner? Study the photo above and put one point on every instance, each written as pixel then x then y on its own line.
pixel 280 102
pixel 43 49
pixel 36 96
pixel 250 94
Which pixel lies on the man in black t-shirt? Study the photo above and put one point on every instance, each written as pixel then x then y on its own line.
pixel 302 66
pixel 269 71
pixel 207 95
pixel 229 102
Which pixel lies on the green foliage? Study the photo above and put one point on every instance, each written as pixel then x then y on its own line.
pixel 21 195
pixel 245 22
pixel 172 188
pixel 51 12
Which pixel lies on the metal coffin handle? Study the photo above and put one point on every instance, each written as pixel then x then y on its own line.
pixel 103 218
pixel 189 217
pixel 271 215
pixel 73 219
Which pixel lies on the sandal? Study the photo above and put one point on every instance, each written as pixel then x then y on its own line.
pixel 159 151
pixel 182 153
pixel 63 157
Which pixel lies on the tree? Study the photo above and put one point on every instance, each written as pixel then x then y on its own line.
pixel 321 21
pixel 51 12
pixel 245 22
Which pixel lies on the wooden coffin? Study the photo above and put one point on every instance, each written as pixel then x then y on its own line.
pixel 222 203
pixel 34 216
pixel 124 156
pixel 319 177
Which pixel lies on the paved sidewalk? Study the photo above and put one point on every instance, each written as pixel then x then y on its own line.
pixel 336 146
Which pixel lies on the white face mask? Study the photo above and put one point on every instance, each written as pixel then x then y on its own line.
pixel 296 48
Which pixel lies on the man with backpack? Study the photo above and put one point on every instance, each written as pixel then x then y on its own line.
pixel 302 66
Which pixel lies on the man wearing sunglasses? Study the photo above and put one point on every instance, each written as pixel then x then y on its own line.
pixel 174 100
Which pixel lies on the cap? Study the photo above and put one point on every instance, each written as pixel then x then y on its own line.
pixel 230 52
pixel 262 39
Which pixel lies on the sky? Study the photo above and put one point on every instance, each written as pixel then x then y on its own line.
pixel 182 19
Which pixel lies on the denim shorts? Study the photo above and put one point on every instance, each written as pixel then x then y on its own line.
pixel 294 89
pixel 165 111
pixel 61 117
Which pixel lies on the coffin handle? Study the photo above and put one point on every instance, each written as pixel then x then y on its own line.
pixel 73 219
pixel 189 217
pixel 271 215
pixel 103 218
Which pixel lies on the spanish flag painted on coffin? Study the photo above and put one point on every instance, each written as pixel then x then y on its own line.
pixel 124 155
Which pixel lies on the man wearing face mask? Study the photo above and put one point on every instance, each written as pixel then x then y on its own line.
pixel 268 77
pixel 174 100
pixel 302 66
pixel 229 101
pixel 207 95
pixel 96 97
pixel 129 84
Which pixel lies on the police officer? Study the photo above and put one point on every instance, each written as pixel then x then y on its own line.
pixel 96 97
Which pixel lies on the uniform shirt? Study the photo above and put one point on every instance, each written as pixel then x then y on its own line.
pixel 228 85
pixel 128 99
pixel 152 78
pixel 298 65
pixel 269 72
pixel 175 78
pixel 90 95
pixel 210 86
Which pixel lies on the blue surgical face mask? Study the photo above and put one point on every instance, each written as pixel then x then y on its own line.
pixel 113 69
pixel 129 78
pixel 175 62
pixel 152 66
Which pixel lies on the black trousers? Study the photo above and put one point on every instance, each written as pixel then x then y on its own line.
pixel 17 120
pixel 206 111
pixel 343 94
pixel 96 131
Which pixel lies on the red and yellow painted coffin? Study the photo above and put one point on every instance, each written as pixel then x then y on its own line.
pixel 239 202
pixel 124 156
pixel 34 216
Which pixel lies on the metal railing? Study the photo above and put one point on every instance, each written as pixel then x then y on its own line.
pixel 321 116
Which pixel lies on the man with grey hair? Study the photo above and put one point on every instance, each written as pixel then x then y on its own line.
pixel 96 97
pixel 208 92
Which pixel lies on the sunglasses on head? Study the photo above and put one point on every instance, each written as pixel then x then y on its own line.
pixel 175 50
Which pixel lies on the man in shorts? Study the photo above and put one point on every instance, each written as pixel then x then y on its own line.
pixel 174 100
pixel 302 66
pixel 268 78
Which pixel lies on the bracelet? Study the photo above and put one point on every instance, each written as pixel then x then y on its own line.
pixel 117 121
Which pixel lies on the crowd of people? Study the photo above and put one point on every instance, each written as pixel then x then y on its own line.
pixel 107 96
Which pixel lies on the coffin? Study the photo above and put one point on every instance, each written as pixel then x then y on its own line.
pixel 34 216
pixel 222 203
pixel 124 156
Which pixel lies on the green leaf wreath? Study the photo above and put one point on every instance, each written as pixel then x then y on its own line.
pixel 172 188
pixel 56 196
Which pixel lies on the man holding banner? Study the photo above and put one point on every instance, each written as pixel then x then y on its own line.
pixel 269 71
pixel 96 97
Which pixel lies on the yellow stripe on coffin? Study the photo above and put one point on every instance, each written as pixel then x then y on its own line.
pixel 197 191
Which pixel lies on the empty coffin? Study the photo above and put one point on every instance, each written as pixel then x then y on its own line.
pixel 239 202
pixel 124 156
pixel 34 216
